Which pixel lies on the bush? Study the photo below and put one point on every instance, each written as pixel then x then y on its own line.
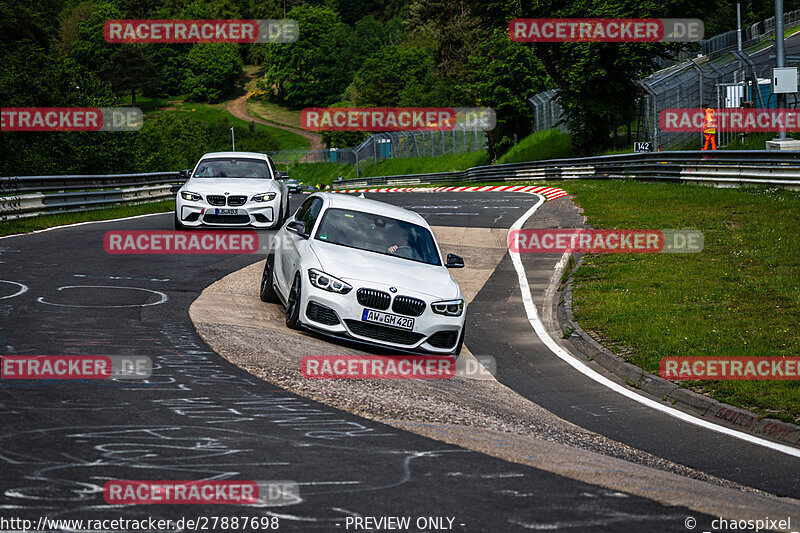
pixel 211 70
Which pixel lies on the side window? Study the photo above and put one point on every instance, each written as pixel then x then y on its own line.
pixel 302 211
pixel 313 214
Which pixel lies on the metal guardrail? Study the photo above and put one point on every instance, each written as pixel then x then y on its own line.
pixel 726 168
pixel 23 196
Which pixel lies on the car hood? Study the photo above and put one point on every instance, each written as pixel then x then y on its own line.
pixel 382 271
pixel 230 185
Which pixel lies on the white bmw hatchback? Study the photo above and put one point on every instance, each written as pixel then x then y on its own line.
pixel 232 189
pixel 367 271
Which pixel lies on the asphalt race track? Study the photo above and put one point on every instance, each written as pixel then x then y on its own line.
pixel 199 417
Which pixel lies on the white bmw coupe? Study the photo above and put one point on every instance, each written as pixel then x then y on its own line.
pixel 367 271
pixel 232 189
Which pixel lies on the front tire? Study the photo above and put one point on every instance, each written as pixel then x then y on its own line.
pixel 281 219
pixel 460 344
pixel 293 303
pixel 268 280
pixel 178 225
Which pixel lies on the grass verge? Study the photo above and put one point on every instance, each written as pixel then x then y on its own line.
pixel 739 297
pixel 26 225
pixel 550 144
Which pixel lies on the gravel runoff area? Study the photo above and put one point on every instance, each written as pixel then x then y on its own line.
pixel 478 414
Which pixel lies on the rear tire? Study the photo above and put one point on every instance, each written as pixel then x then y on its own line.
pixel 293 303
pixel 268 280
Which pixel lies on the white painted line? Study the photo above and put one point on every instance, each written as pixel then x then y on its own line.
pixel 83 224
pixel 163 297
pixel 538 327
pixel 22 289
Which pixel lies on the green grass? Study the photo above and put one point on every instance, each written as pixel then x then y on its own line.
pixel 740 296
pixel 550 144
pixel 274 113
pixel 26 225
pixel 153 107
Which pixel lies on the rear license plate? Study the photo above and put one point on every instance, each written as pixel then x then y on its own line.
pixel 226 211
pixel 387 319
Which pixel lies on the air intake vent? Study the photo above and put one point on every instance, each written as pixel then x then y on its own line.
pixel 322 314
pixel 384 333
pixel 443 339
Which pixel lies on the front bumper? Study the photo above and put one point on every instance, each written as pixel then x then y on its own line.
pixel 202 213
pixel 341 315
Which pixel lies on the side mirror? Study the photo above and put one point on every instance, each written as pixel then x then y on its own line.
pixel 281 175
pixel 295 226
pixel 184 174
pixel 454 261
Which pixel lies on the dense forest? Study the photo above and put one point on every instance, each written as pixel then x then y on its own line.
pixel 350 52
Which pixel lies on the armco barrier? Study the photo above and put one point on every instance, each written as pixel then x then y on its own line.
pixel 724 168
pixel 31 195
pixel 22 196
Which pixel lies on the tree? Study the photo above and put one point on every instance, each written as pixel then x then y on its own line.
pixel 503 75
pixel 397 76
pixel 211 70
pixel 129 69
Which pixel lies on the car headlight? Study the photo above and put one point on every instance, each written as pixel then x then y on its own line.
pixel 191 196
pixel 326 282
pixel 265 197
pixel 448 307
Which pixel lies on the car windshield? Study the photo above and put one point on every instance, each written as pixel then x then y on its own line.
pixel 233 168
pixel 379 234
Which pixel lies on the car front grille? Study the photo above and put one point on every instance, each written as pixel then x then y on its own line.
pixel 322 314
pixel 443 339
pixel 405 305
pixel 235 201
pixel 226 219
pixel 374 299
pixel 215 199
pixel 384 333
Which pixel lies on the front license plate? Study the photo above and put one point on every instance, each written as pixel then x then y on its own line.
pixel 387 320
pixel 226 211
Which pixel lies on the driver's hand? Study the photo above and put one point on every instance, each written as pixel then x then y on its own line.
pixel 392 249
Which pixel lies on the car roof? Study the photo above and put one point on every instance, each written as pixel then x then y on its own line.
pixel 248 155
pixel 356 203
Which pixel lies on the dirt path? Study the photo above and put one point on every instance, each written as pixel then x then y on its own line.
pixel 238 109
